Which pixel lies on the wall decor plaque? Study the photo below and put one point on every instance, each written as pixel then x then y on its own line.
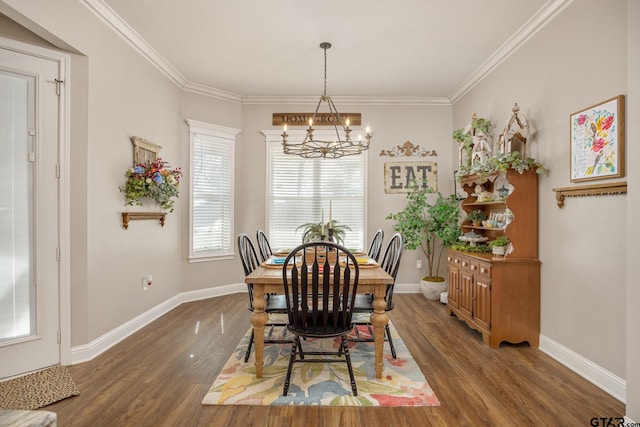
pixel 398 176
pixel 322 119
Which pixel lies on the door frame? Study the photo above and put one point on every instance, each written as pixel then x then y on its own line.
pixel 64 221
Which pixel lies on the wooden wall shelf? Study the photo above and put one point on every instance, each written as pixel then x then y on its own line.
pixel 589 190
pixel 131 216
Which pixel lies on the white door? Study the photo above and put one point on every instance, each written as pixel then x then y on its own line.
pixel 29 248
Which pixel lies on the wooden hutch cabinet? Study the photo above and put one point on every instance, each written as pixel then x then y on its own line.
pixel 499 296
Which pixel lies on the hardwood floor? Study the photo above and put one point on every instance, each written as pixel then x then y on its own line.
pixel 159 375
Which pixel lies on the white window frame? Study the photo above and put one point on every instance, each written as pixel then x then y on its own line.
pixel 274 137
pixel 228 135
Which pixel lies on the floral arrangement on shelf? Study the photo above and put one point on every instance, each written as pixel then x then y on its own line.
pixel 152 180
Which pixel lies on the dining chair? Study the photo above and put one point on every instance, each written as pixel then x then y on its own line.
pixel 275 304
pixel 320 292
pixel 376 245
pixel 263 245
pixel 364 303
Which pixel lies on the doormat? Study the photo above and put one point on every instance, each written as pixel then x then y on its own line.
pixel 37 389
pixel 322 384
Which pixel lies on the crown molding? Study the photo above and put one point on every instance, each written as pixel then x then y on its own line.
pixel 351 100
pixel 212 92
pixel 120 27
pixel 531 27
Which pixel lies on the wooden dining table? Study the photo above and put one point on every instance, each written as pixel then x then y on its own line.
pixel 372 280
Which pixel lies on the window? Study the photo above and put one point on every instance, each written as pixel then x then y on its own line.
pixel 298 189
pixel 211 191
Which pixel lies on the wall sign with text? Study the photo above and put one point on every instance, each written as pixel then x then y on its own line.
pixel 322 119
pixel 399 175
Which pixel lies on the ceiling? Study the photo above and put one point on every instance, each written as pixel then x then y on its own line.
pixel 252 49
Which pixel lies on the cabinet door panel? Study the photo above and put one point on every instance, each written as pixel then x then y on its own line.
pixel 454 287
pixel 482 311
pixel 466 293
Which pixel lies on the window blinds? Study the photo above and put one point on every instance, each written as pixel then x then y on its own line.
pixel 212 190
pixel 300 188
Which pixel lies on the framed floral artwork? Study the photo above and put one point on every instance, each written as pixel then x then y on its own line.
pixel 597 141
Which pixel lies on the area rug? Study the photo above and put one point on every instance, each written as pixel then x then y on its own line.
pixel 37 389
pixel 322 384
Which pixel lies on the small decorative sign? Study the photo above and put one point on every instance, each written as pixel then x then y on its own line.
pixel 408 149
pixel 144 151
pixel 398 176
pixel 322 119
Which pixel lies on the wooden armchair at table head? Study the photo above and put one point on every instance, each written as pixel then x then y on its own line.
pixel 320 305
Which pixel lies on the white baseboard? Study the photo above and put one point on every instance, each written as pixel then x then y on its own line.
pixel 84 353
pixel 607 381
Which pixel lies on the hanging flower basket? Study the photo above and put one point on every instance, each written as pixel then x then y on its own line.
pixel 152 180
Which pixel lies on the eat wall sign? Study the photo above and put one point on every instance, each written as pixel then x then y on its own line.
pixel 398 176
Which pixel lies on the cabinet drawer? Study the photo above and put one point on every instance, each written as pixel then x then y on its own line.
pixel 484 269
pixel 463 263
pixel 451 260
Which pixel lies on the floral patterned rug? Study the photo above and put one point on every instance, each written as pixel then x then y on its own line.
pixel 322 384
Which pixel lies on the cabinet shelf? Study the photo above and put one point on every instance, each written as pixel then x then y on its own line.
pixel 132 216
pixel 482 228
pixel 491 203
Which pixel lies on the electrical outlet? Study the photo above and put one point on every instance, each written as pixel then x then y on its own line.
pixel 419 263
pixel 146 282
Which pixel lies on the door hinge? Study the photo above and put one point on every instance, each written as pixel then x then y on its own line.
pixel 59 336
pixel 58 253
pixel 57 170
pixel 58 84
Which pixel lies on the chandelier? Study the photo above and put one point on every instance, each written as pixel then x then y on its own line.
pixel 337 147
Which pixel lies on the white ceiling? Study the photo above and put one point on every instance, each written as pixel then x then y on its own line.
pixel 423 49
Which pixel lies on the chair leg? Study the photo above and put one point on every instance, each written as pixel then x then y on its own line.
pixel 292 357
pixel 388 332
pixel 347 356
pixel 248 353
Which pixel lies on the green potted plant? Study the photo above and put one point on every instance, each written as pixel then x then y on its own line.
pixel 430 227
pixel 312 231
pixel 476 217
pixel 499 245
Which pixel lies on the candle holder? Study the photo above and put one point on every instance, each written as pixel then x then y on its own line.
pixel 330 237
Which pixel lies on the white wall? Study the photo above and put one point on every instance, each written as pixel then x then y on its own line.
pixel 573 62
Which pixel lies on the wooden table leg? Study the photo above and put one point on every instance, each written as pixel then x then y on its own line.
pixel 258 320
pixel 379 320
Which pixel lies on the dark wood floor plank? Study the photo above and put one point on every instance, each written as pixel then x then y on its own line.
pixel 159 375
